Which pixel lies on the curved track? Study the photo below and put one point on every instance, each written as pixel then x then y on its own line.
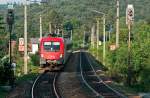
pixel 94 82
pixel 44 86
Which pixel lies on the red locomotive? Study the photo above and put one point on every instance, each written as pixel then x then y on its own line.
pixel 53 51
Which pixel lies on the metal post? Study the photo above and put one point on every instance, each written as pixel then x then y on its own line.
pixel 84 39
pixel 50 27
pixel 58 30
pixel 117 25
pixel 104 39
pixel 71 35
pixel 129 22
pixel 40 26
pixel 97 33
pixel 62 33
pixel 55 29
pixel 129 55
pixel 92 35
pixel 10 48
pixel 109 35
pixel 25 38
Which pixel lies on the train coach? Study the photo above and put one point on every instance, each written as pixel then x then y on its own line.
pixel 53 51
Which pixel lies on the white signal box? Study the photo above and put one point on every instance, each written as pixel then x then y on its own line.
pixel 21 41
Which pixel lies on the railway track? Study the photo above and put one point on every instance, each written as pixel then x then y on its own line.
pixel 44 86
pixel 94 82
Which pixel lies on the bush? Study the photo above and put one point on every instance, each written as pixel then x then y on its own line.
pixel 35 59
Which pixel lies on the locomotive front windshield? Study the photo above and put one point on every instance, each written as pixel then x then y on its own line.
pixel 52 46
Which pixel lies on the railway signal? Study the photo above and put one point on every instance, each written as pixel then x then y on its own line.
pixel 129 22
pixel 129 14
pixel 68 26
pixel 10 17
pixel 10 22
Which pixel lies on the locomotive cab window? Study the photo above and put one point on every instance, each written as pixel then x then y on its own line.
pixel 52 46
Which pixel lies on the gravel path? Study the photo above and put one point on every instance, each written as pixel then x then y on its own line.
pixel 69 84
pixel 21 91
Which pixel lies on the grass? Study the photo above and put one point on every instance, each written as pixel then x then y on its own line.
pixel 125 89
pixel 25 78
pixel 3 93
pixel 21 79
pixel 118 86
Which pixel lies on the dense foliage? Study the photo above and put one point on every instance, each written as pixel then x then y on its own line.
pixel 117 61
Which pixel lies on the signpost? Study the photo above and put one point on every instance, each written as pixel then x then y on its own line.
pixel 129 22
pixel 21 44
pixel 21 41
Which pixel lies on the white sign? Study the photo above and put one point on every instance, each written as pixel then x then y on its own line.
pixel 21 41
pixel 34 48
pixel 100 43
pixel 21 48
pixel 129 14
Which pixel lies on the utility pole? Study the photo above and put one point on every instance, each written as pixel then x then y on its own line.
pixel 110 29
pixel 109 35
pixel 117 25
pixel 71 35
pixel 97 33
pixel 104 39
pixel 92 35
pixel 58 30
pixel 84 39
pixel 55 29
pixel 40 26
pixel 25 39
pixel 50 27
pixel 62 34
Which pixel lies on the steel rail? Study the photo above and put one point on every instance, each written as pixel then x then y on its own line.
pixel 32 91
pixel 81 70
pixel 54 85
pixel 115 91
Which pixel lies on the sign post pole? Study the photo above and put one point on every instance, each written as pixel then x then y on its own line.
pixel 129 22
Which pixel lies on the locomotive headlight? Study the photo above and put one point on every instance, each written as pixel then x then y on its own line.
pixel 61 55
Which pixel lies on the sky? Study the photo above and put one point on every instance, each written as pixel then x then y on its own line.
pixel 11 1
